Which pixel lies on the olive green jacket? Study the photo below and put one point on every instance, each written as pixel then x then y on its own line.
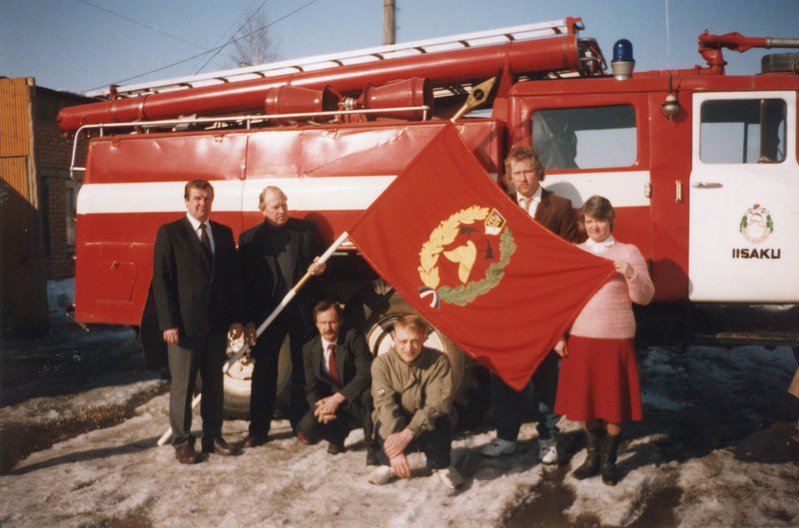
pixel 411 395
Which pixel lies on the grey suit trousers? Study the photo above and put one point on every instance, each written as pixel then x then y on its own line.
pixel 206 355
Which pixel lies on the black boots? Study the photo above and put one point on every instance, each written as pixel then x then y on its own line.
pixel 601 457
pixel 610 446
pixel 590 467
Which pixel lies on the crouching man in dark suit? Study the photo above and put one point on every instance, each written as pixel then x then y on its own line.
pixel 337 384
pixel 199 299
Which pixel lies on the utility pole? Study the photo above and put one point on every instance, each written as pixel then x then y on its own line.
pixel 389 28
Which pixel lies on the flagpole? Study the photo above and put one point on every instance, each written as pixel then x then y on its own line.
pixel 286 300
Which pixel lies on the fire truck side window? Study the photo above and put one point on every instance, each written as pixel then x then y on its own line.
pixel 743 131
pixel 585 138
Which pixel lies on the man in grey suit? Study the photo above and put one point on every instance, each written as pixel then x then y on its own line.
pixel 338 379
pixel 199 300
pixel 275 255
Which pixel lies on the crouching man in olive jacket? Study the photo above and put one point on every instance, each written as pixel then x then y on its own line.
pixel 412 393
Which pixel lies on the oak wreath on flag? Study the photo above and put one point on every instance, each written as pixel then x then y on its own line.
pixel 454 245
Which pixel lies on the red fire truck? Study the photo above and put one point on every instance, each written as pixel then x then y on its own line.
pixel 702 167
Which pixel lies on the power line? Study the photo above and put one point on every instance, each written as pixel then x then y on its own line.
pixel 230 41
pixel 206 52
pixel 271 23
pixel 224 36
pixel 123 17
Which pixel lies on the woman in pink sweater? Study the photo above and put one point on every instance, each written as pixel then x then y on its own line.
pixel 598 383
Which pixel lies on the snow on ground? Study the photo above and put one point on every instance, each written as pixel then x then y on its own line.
pixel 719 446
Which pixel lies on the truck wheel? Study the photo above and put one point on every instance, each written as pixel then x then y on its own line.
pixel 238 386
pixel 381 306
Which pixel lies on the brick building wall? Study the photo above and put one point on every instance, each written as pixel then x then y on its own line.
pixel 58 190
pixel 59 253
pixel 37 202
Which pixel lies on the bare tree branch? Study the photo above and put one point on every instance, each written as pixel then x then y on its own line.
pixel 253 43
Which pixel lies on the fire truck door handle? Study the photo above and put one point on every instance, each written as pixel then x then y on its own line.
pixel 706 185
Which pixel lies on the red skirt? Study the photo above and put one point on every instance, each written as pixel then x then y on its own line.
pixel 599 379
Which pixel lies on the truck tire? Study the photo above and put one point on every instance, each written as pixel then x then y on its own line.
pixel 378 306
pixel 238 386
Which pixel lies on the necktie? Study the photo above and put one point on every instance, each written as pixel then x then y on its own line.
pixel 524 202
pixel 331 363
pixel 206 242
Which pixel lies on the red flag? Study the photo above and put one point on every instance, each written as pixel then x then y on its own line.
pixel 460 251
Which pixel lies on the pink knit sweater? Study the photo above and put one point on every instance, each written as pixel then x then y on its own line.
pixel 609 314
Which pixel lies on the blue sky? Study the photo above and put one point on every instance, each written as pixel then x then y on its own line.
pixel 81 45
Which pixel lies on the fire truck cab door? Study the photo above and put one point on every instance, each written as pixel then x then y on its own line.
pixel 744 198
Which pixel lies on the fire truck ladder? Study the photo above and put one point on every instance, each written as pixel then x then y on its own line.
pixel 363 56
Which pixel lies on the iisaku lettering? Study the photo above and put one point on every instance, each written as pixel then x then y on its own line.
pixel 746 253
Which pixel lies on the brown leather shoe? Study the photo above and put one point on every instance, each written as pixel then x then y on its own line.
pixel 255 440
pixel 186 454
pixel 221 447
pixel 302 437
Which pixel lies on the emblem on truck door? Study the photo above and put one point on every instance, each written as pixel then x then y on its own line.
pixel 470 254
pixel 756 225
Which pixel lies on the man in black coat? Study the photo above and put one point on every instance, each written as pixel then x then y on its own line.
pixel 338 383
pixel 275 255
pixel 199 300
